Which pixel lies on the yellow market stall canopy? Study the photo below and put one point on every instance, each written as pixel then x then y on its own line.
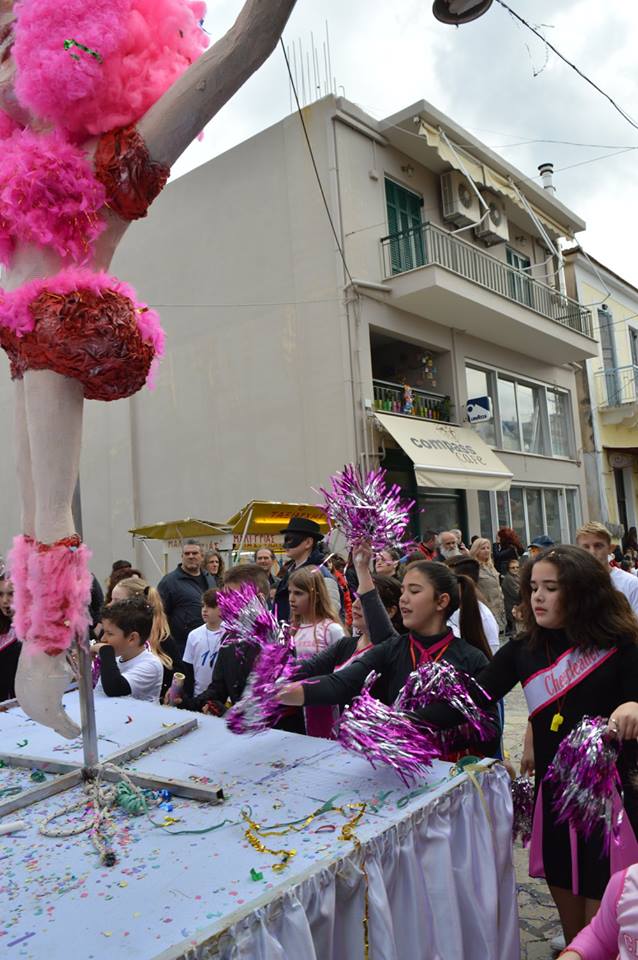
pixel 260 522
pixel 447 456
pixel 181 530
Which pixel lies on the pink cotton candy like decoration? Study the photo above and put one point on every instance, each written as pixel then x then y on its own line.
pixel 386 736
pixel 584 778
pixel 48 196
pixel 365 508
pixel 141 47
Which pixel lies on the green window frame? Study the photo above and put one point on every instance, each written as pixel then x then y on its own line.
pixel 404 227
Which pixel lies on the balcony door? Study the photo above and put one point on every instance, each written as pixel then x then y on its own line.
pixel 633 346
pixel 519 286
pixel 404 226
pixel 608 353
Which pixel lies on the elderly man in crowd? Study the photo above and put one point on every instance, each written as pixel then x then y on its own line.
pixel 448 544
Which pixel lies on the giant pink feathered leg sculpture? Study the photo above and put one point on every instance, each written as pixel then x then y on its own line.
pixel 75 78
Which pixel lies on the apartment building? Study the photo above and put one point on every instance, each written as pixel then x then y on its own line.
pixel 299 341
pixel 608 391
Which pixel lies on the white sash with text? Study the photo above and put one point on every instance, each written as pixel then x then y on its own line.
pixel 553 682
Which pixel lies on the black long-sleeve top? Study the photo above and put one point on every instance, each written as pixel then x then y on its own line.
pixel 113 683
pixel 392 658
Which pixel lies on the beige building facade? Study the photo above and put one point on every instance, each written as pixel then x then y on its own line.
pixel 288 357
pixel 608 391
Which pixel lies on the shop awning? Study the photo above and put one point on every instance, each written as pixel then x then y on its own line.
pixel 447 456
pixel 269 517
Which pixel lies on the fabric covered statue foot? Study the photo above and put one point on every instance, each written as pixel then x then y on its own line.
pixel 40 684
pixel 59 582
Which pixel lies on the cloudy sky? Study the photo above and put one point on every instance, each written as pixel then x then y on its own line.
pixel 491 76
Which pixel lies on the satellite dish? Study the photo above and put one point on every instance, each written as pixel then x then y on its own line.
pixel 459 11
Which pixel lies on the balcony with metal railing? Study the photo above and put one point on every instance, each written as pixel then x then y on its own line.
pixel 617 392
pixel 433 273
pixel 393 398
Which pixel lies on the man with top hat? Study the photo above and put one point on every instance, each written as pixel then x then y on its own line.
pixel 301 539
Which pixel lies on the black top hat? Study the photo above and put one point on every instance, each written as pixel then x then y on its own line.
pixel 302 525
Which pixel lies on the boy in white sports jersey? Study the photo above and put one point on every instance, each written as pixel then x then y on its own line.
pixel 202 645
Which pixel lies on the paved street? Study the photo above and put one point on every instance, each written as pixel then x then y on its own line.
pixel 538 917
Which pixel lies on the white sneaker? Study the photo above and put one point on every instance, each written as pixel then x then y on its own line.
pixel 557 943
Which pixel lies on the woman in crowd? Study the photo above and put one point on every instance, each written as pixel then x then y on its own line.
pixel 430 593
pixel 511 587
pixel 214 564
pixel 507 547
pixel 489 581
pixel 10 646
pixel 578 656
pixel 117 575
pixel 386 562
pixel 160 641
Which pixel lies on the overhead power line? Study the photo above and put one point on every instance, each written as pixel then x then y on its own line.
pixel 583 76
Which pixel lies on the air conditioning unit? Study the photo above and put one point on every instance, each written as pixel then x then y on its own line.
pixel 493 228
pixel 460 203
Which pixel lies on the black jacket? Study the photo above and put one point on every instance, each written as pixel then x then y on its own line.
pixel 281 604
pixel 182 598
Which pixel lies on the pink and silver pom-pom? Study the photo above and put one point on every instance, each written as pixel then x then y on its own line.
pixel 259 708
pixel 245 618
pixel 523 803
pixel 584 776
pixel 385 735
pixel 365 508
pixel 440 682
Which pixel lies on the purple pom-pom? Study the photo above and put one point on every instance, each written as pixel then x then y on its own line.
pixel 440 682
pixel 366 508
pixel 245 618
pixel 584 776
pixel 258 708
pixel 384 735
pixel 523 803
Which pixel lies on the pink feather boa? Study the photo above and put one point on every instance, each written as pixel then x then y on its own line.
pixel 144 46
pixel 18 562
pixel 48 196
pixel 60 609
pixel 15 305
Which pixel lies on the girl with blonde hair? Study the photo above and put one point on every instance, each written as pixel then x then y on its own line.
pixel 314 627
pixel 489 583
pixel 160 641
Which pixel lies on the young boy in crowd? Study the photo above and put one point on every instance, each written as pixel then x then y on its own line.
pixel 202 647
pixel 127 666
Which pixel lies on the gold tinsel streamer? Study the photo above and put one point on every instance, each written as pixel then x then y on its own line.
pixel 354 811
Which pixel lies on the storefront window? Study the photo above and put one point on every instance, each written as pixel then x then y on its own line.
pixel 535 523
pixel 552 515
pixel 485 514
pixel 479 384
pixel 532 511
pixel 518 513
pixel 503 508
pixel 508 415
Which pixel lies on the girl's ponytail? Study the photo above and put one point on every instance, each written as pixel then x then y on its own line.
pixel 470 622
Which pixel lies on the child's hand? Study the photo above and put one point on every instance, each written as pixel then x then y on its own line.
pixel 292 695
pixel 96 647
pixel 362 555
pixel 528 762
pixel 169 701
